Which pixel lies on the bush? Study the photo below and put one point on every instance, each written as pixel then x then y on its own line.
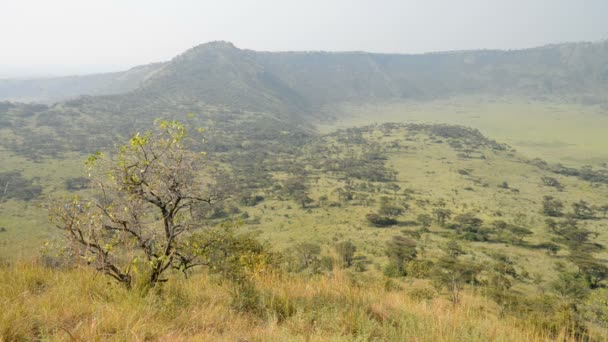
pixel 442 215
pixel 77 183
pixel 469 227
pixel 424 220
pixel 14 185
pixel 552 182
pixel 251 200
pixel 452 274
pixel 380 221
pixel 418 268
pixel 400 251
pixel 422 294
pixel 346 252
pixel 582 210
pixel 392 270
pixel 391 285
pixel 553 316
pixel 389 209
pixel 552 207
pixel 551 247
pixel 361 262
pixel 306 257
pixel 235 257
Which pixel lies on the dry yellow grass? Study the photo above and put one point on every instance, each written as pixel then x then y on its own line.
pixel 78 304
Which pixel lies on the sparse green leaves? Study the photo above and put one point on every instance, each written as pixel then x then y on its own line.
pixel 138 140
pixel 93 158
pixel 142 207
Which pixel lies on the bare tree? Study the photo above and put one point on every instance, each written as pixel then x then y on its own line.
pixel 138 223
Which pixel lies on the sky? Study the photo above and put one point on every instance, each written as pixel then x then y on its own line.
pixel 61 37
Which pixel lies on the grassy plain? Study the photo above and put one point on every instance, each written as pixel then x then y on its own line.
pixel 26 223
pixel 427 168
pixel 430 171
pixel 549 129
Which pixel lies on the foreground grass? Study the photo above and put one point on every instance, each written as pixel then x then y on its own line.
pixel 77 304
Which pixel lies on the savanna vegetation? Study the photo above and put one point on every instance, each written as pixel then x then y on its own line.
pixel 267 225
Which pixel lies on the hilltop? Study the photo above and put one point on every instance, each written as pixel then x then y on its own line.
pixel 306 80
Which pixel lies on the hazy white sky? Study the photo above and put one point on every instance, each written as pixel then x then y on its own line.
pixel 54 37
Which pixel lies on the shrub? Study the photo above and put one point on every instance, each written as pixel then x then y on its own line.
pixel 380 221
pixel 251 200
pixel 392 270
pixel 346 252
pixel 552 182
pixel 422 294
pixel 360 263
pixel 307 256
pixel 552 207
pixel 400 250
pixel 391 285
pixel 77 183
pixel 442 215
pixel 418 268
pixel 582 210
pixel 14 185
pixel 389 209
pixel 424 220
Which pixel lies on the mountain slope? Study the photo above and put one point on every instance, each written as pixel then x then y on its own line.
pixel 550 70
pixel 220 73
pixel 285 92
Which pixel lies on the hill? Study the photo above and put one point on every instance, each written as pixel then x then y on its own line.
pixel 292 90
pixel 566 69
pixel 299 80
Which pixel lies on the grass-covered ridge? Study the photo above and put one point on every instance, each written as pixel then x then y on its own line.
pixel 56 304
